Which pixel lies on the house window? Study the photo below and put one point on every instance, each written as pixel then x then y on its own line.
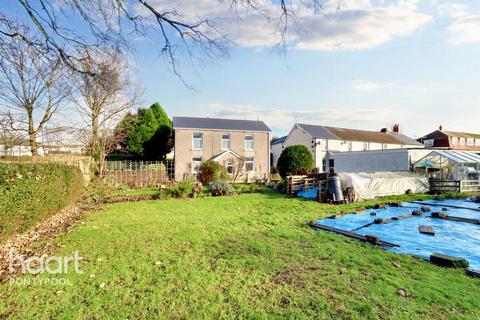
pixel 366 146
pixel 462 141
pixel 350 146
pixel 331 163
pixel 249 142
pixel 196 163
pixel 470 141
pixel 477 142
pixel 454 140
pixel 229 167
pixel 197 141
pixel 324 165
pixel 249 166
pixel 225 141
pixel 429 143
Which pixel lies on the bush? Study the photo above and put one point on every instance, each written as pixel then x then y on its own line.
pixel 295 159
pixel 211 170
pixel 183 189
pixel 221 188
pixel 31 192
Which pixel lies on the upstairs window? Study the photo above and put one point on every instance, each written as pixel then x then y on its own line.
pixel 477 142
pixel 225 145
pixel 470 141
pixel 454 140
pixel 249 142
pixel 197 141
pixel 249 164
pixel 463 141
pixel 429 142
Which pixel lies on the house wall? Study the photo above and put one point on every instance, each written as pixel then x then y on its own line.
pixel 184 152
pixel 276 151
pixel 298 136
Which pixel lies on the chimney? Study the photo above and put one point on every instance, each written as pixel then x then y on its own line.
pixel 440 128
pixel 384 130
pixel 396 128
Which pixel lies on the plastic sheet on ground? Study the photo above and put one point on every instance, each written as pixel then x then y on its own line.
pixel 310 194
pixel 370 185
pixel 458 239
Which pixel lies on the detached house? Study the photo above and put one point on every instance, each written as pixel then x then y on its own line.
pixel 452 140
pixel 241 146
pixel 322 141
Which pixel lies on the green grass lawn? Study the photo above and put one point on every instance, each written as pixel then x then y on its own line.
pixel 245 256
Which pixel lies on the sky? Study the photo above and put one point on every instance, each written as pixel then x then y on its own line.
pixel 364 65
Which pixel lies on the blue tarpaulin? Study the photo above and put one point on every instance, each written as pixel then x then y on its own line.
pixel 310 194
pixel 458 239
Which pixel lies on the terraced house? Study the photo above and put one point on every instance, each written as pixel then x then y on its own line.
pixel 452 140
pixel 241 146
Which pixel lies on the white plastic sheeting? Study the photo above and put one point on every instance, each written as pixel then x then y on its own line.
pixel 378 184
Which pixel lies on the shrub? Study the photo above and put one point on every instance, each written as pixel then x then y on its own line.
pixel 295 159
pixel 183 189
pixel 211 170
pixel 31 192
pixel 221 188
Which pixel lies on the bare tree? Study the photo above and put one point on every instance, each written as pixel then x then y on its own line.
pixel 9 138
pixel 235 167
pixel 112 23
pixel 32 87
pixel 106 94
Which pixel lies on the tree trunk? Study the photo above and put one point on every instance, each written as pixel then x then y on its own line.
pixel 32 137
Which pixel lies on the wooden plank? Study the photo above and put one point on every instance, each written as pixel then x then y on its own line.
pixel 426 230
pixel 353 235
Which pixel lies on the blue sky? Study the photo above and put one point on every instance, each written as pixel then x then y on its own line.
pixel 412 62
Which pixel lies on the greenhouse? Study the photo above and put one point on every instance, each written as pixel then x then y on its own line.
pixel 449 165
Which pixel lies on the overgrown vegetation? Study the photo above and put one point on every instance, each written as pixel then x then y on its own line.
pixel 295 159
pixel 246 256
pixel 211 170
pixel 32 192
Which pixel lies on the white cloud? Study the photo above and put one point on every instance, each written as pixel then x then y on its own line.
pixel 465 29
pixel 362 28
pixel 348 24
pixel 453 10
pixel 364 85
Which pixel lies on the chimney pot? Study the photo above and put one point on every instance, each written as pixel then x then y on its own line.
pixel 440 128
pixel 384 130
pixel 396 128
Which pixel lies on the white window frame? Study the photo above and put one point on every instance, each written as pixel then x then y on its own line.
pixel 248 141
pixel 429 142
pixel 463 141
pixel 227 140
pixel 194 139
pixel 470 142
pixel 250 161
pixel 196 163
pixel 455 140
pixel 477 142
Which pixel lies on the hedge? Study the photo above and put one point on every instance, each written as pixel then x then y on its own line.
pixel 31 192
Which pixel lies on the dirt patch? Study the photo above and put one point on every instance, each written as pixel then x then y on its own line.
pixel 35 242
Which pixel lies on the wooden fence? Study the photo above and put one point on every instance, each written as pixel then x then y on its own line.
pixel 441 186
pixel 137 174
pixel 297 183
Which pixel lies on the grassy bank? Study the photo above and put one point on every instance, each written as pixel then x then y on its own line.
pixel 245 256
pixel 31 192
